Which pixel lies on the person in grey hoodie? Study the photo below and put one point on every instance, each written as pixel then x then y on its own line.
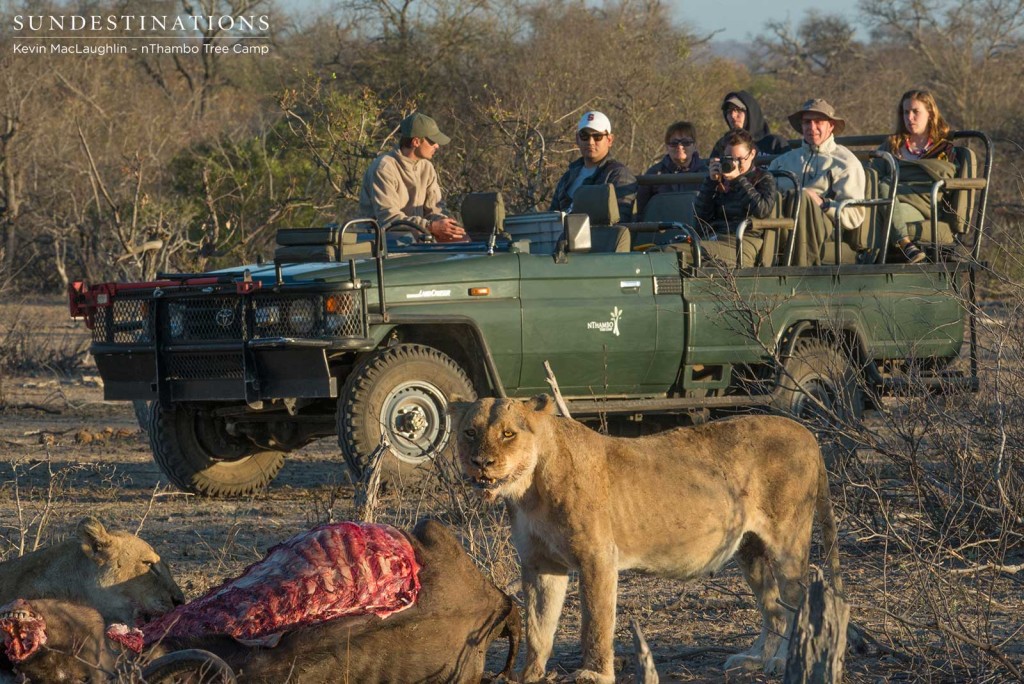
pixel 402 185
pixel 741 110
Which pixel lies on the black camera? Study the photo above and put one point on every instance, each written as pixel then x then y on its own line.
pixel 728 164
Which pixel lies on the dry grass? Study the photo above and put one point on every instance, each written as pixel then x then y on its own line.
pixel 929 510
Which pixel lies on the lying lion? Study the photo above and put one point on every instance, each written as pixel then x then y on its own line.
pixel 442 637
pixel 117 573
pixel 679 504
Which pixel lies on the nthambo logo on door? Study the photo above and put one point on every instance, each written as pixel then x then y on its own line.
pixel 611 326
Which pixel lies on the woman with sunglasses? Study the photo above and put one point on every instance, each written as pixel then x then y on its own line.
pixel 680 157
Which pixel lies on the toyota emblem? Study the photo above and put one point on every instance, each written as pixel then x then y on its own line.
pixel 225 317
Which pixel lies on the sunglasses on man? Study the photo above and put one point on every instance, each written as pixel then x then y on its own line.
pixel 596 137
pixel 680 142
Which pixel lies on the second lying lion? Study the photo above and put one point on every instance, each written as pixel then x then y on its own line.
pixel 680 504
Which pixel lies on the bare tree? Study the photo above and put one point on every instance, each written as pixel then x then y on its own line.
pixel 968 52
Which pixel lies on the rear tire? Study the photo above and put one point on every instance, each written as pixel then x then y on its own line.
pixel 195 452
pixel 822 390
pixel 402 392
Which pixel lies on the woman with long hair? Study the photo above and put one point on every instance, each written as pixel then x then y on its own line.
pixel 921 144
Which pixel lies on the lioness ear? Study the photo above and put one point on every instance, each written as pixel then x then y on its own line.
pixel 543 403
pixel 94 536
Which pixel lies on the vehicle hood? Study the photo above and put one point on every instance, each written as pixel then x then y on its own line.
pixel 400 270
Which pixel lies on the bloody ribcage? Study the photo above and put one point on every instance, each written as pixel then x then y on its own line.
pixel 331 571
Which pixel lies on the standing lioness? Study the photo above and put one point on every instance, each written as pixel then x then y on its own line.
pixel 679 504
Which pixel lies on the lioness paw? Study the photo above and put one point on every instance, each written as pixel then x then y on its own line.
pixel 532 675
pixel 775 667
pixel 591 677
pixel 743 661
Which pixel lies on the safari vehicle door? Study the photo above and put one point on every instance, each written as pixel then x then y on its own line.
pixel 599 322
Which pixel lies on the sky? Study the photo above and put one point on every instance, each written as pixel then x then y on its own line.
pixel 736 20
pixel 742 20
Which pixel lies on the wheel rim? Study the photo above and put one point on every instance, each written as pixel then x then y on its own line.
pixel 414 419
pixel 214 440
pixel 817 402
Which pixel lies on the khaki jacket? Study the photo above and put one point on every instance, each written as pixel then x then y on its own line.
pixel 831 169
pixel 398 188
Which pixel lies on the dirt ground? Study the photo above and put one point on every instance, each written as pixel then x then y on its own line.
pixel 65 453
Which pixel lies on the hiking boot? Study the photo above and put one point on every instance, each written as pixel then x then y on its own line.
pixel 912 253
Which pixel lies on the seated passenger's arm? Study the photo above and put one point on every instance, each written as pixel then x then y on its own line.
pixel 389 198
pixel 559 197
pixel 849 185
pixel 625 191
pixel 760 197
pixel 704 205
pixel 432 206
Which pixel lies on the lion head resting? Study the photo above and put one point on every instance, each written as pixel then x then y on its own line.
pixel 497 442
pixel 115 572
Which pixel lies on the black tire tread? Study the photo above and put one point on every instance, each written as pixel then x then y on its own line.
pixel 173 462
pixel 363 380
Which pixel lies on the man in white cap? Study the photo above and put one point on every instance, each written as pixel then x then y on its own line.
pixel 596 167
pixel 402 185
pixel 828 173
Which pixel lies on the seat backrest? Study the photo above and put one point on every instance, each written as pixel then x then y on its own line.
pixel 671 206
pixel 482 212
pixel 609 239
pixel 868 240
pixel 958 208
pixel 296 245
pixel 598 202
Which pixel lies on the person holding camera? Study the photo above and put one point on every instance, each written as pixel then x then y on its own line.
pixel 735 189
pixel 828 173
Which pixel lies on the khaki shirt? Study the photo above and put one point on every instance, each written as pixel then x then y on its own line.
pixel 396 187
pixel 831 169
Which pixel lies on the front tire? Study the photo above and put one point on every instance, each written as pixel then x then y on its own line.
pixel 401 392
pixel 820 388
pixel 196 453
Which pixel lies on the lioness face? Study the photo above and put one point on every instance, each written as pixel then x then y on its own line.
pixel 129 567
pixel 496 445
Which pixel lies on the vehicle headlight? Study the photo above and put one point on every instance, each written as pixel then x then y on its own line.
pixel 266 316
pixel 176 321
pixel 335 323
pixel 301 316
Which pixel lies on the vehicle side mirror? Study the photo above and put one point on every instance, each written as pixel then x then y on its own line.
pixel 577 231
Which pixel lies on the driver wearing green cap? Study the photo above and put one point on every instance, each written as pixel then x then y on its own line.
pixel 402 185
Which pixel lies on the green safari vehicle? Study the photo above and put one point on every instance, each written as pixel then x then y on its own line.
pixel 368 334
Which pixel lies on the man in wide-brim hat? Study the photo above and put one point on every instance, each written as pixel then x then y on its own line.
pixel 828 173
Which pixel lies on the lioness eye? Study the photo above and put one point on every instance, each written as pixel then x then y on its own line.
pixel 508 434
